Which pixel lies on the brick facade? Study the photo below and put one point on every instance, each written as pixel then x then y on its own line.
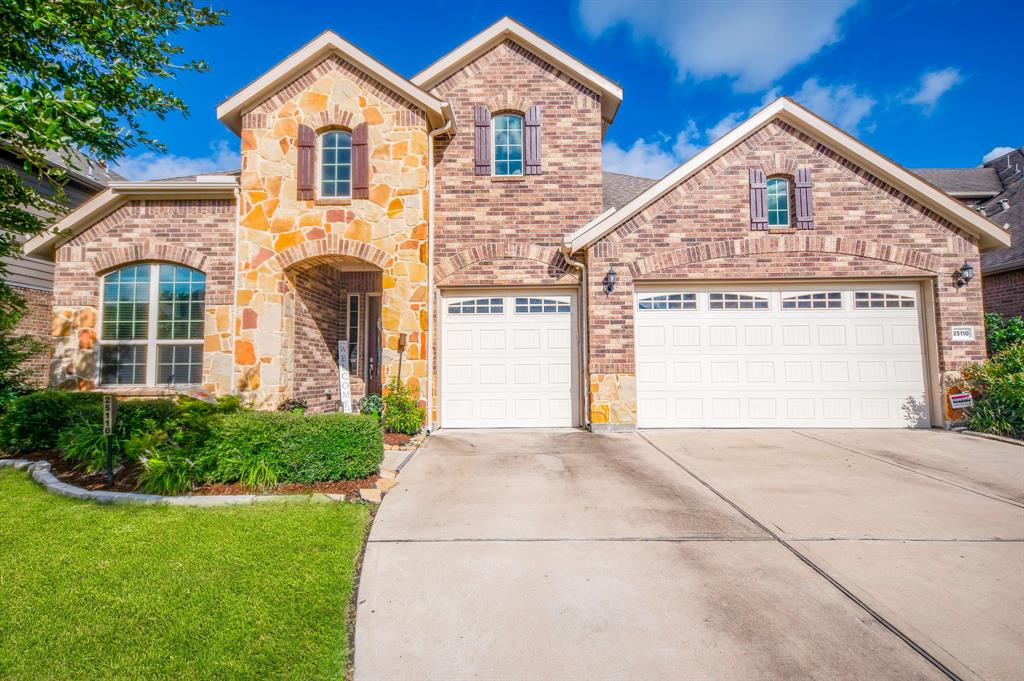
pixel 36 323
pixel 1004 293
pixel 700 231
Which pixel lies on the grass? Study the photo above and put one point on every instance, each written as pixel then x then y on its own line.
pixel 92 592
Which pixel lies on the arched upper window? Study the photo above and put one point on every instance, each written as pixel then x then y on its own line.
pixel 151 325
pixel 508 144
pixel 336 164
pixel 778 202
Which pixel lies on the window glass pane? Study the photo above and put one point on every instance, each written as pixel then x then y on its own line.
pixel 669 301
pixel 508 144
pixel 126 303
pixel 123 364
pixel 178 364
pixel 336 164
pixel 737 301
pixel 478 306
pixel 778 202
pixel 353 332
pixel 877 300
pixel 541 306
pixel 181 295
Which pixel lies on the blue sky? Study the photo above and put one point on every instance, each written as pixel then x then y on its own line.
pixel 927 83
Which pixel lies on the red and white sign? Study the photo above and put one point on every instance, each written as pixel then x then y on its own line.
pixel 961 400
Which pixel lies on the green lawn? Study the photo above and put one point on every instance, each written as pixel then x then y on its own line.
pixel 89 591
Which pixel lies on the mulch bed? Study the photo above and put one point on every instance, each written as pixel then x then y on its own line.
pixel 126 480
pixel 397 439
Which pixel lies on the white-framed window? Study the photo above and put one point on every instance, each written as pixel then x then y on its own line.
pixel 352 326
pixel 878 300
pixel 151 325
pixel 336 164
pixel 508 144
pixel 668 301
pixel 778 202
pixel 540 306
pixel 478 306
pixel 737 301
pixel 824 300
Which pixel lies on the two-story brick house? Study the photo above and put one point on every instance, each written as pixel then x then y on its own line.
pixel 458 227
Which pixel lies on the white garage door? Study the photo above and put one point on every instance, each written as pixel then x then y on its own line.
pixel 748 357
pixel 508 360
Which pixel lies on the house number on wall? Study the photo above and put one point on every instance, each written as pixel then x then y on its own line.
pixel 961 333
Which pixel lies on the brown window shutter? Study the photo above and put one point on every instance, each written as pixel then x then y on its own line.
pixel 360 162
pixel 306 172
pixel 531 141
pixel 758 199
pixel 482 139
pixel 804 202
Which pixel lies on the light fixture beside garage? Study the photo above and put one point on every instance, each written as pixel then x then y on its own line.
pixel 610 279
pixel 963 276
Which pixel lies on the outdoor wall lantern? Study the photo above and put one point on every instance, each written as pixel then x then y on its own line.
pixel 963 276
pixel 609 280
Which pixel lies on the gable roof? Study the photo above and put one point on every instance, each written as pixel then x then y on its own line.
pixel 619 189
pixel 230 111
pixel 963 182
pixel 989 234
pixel 216 186
pixel 611 92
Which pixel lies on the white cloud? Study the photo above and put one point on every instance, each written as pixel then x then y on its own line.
pixel 653 159
pixel 933 85
pixel 841 105
pixel 996 153
pixel 752 42
pixel 150 165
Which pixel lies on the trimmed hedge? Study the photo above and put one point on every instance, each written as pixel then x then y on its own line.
pixel 295 447
pixel 34 422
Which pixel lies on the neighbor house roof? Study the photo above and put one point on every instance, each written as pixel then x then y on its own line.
pixel 507 28
pixel 963 182
pixel 990 235
pixel 619 189
pixel 312 53
pixel 119 193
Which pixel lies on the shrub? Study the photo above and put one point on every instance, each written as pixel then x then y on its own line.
pixel 297 406
pixel 35 421
pixel 267 447
pixel 1003 332
pixel 134 416
pixel 86 444
pixel 401 413
pixel 371 404
pixel 999 383
pixel 166 467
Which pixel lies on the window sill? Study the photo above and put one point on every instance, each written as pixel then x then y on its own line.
pixel 332 202
pixel 508 178
pixel 144 390
pixel 782 230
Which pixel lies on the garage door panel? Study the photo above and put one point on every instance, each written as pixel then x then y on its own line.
pixel 509 362
pixel 836 365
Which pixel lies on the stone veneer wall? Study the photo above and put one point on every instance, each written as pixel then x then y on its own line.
pixel 36 323
pixel 197 233
pixel 700 231
pixel 278 231
pixel 1004 292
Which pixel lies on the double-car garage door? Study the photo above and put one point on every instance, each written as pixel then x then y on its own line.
pixel 758 356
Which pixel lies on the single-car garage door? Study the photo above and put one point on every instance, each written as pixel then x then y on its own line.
pixel 760 356
pixel 508 360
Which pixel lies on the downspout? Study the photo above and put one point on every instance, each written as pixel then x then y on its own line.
pixel 447 128
pixel 234 286
pixel 582 336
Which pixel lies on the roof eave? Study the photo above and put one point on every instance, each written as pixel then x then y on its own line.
pixel 990 235
pixel 230 111
pixel 116 195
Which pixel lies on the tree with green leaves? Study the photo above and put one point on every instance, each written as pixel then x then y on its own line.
pixel 79 79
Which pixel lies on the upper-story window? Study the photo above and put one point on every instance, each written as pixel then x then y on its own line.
pixel 336 164
pixel 508 144
pixel 151 330
pixel 778 202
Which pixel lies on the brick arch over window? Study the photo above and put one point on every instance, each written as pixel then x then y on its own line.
pixel 508 102
pixel 118 257
pixel 787 244
pixel 780 164
pixel 331 118
pixel 327 249
pixel 514 250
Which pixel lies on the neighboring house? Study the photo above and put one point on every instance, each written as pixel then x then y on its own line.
pixel 785 276
pixel 32 277
pixel 995 190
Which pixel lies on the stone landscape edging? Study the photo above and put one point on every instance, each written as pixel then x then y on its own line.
pixel 997 438
pixel 40 472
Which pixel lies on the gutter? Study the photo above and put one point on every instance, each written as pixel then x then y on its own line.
pixel 449 129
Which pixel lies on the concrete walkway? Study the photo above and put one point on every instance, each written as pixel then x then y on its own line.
pixel 697 554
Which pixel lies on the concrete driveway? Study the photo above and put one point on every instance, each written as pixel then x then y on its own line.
pixel 698 554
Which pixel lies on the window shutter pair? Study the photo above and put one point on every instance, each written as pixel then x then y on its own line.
pixel 482 140
pixel 759 199
pixel 306 169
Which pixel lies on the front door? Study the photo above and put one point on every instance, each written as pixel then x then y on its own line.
pixel 373 355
